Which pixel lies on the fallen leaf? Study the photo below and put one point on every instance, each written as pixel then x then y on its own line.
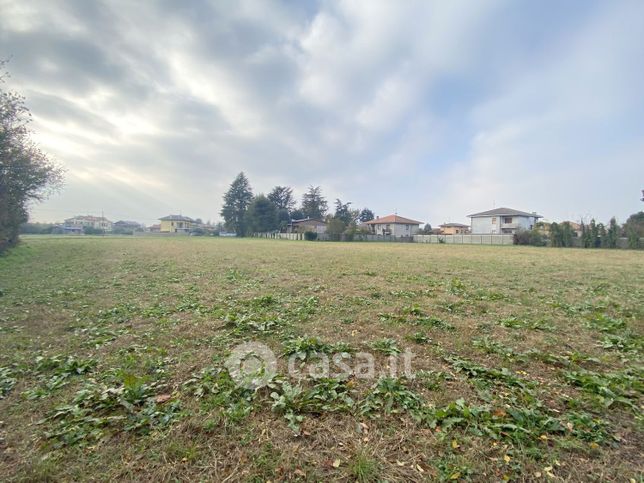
pixel 161 398
pixel 500 413
pixel 336 463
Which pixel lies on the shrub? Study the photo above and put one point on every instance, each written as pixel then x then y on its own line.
pixel 335 228
pixel 310 235
pixel 529 237
pixel 90 230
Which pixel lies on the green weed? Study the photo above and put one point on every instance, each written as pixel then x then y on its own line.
pixel 432 380
pixel 386 346
pixel 97 409
pixel 476 371
pixel 7 381
pixel 617 388
pixel 419 338
pixel 326 395
pixel 391 395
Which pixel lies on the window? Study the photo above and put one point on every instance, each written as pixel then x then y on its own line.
pixel 494 220
pixel 507 219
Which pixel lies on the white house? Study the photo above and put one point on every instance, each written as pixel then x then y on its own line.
pixel 502 221
pixel 394 225
pixel 79 222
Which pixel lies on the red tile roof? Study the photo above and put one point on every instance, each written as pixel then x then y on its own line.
pixel 393 219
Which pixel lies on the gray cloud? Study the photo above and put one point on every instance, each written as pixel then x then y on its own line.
pixel 436 109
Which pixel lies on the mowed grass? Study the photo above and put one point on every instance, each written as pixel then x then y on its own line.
pixel 528 361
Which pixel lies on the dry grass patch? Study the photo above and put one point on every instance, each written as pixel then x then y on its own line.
pixel 112 350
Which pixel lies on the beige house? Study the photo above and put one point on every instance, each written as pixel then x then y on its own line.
pixel 394 225
pixel 176 224
pixel 314 225
pixel 454 229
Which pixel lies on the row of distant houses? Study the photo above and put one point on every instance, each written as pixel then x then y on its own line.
pixel 497 221
pixel 78 224
pixel 168 224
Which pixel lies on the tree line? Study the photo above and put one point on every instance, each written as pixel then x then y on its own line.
pixel 245 213
pixel 590 235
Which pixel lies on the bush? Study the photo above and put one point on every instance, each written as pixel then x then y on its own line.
pixel 529 237
pixel 335 229
pixel 36 228
pixel 90 230
pixel 310 235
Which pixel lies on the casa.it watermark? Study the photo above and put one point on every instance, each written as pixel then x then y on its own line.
pixel 254 365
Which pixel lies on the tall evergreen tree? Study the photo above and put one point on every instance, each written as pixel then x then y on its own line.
pixel 366 215
pixel 595 234
pixel 283 218
pixel 314 205
pixel 344 212
pixel 586 236
pixel 566 234
pixel 262 215
pixel 555 235
pixel 612 234
pixel 297 214
pixel 236 201
pixel 282 197
pixel 634 229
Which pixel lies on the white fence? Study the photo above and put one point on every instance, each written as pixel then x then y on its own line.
pixel 280 236
pixel 507 239
pixel 449 239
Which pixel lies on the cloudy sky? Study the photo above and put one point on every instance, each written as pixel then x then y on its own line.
pixel 433 109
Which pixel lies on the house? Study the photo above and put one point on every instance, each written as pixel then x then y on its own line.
pixel 124 226
pixel 307 224
pixel 502 221
pixel 154 228
pixel 454 229
pixel 68 230
pixel 394 225
pixel 79 222
pixel 176 224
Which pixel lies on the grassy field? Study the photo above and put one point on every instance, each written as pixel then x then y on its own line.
pixel 527 361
